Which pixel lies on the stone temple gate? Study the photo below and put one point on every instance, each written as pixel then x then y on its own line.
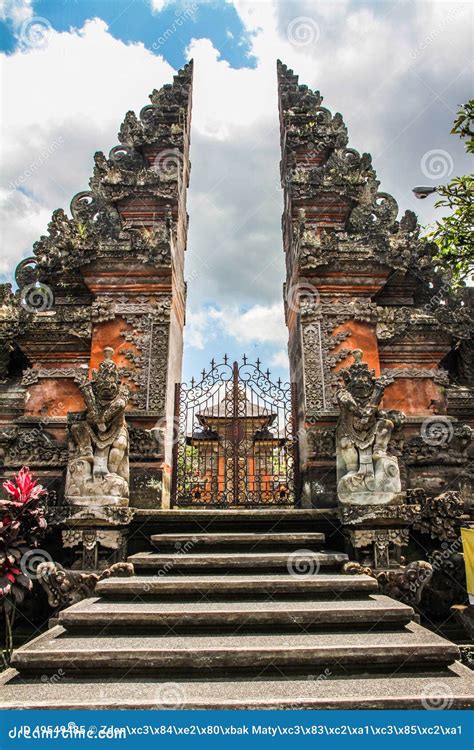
pixel 153 482
pixel 373 429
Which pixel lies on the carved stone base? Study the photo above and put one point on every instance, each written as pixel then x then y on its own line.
pixel 368 516
pixel 113 515
pixel 83 489
pixel 380 488
pixel 98 534
pixel 378 548
pixel 96 548
pixel 95 504
pixel 378 533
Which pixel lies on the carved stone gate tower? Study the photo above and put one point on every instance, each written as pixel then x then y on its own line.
pixel 357 278
pixel 109 276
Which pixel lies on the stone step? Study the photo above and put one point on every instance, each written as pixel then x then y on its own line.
pixel 211 520
pixel 450 688
pixel 241 514
pixel 238 539
pixel 96 614
pixel 341 651
pixel 301 560
pixel 253 585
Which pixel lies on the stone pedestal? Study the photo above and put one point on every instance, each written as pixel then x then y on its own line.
pixel 378 533
pixel 98 535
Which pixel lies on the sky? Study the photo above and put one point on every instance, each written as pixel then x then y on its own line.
pixel 70 69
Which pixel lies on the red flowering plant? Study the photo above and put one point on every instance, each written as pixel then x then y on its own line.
pixel 22 525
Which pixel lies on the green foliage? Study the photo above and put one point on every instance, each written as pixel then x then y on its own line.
pixel 454 234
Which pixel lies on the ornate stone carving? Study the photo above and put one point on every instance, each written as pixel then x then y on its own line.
pixel 319 343
pixel 389 515
pixel 96 229
pixel 89 538
pixel 375 545
pixel 151 126
pixel 109 515
pixel 34 447
pixel 149 334
pixel 66 587
pixel 33 374
pixel 448 444
pixel 405 584
pixel 98 471
pixel 322 175
pixel 144 444
pixel 12 317
pixel 366 473
pixel 91 542
pixel 321 443
pixel 439 516
pixel 437 375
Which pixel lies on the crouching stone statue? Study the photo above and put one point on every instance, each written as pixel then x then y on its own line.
pixel 366 475
pixel 98 470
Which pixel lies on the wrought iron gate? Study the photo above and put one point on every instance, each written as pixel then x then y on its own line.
pixel 236 439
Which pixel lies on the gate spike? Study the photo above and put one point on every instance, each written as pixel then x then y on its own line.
pixel 267 373
pixel 258 363
pixel 244 359
pixel 203 373
pixel 225 359
pixel 192 382
pixel 213 364
pixel 279 382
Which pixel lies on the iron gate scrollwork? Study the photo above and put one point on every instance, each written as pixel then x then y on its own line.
pixel 236 443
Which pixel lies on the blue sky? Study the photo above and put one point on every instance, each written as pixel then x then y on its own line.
pixel 396 69
pixel 135 21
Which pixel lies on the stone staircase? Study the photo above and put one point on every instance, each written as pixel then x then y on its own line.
pixel 220 618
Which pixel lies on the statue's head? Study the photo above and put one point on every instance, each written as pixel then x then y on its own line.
pixel 106 381
pixel 358 379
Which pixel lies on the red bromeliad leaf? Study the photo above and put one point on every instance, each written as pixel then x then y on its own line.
pixel 22 523
pixel 11 488
pixel 25 488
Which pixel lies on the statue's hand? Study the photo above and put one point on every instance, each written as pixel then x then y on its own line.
pixel 101 426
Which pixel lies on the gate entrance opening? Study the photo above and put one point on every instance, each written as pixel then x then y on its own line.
pixel 236 439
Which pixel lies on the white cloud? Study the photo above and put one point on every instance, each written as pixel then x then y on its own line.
pixel 158 5
pixel 60 105
pixel 15 11
pixel 197 329
pixel 280 359
pixel 262 324
pixel 258 324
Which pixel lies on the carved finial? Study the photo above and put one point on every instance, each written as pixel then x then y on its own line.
pixel 108 353
pixel 357 354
